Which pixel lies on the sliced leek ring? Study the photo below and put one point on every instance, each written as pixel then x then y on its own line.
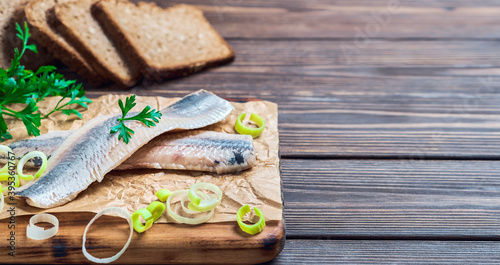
pixel 39 233
pixel 156 209
pixel 146 215
pixel 250 229
pixel 182 219
pixel 4 171
pixel 197 204
pixel 6 177
pixel 186 197
pixel 25 159
pixel 254 132
pixel 2 200
pixel 6 149
pixel 163 195
pixel 122 213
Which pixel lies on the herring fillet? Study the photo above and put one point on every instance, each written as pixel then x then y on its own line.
pixel 190 150
pixel 91 151
pixel 203 151
pixel 45 143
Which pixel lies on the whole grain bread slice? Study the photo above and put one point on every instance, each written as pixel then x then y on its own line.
pixel 12 11
pixel 166 42
pixel 81 29
pixel 39 14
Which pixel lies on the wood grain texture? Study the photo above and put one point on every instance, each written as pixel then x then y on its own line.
pixel 388 252
pixel 391 199
pixel 421 83
pixel 344 19
pixel 404 99
pixel 222 243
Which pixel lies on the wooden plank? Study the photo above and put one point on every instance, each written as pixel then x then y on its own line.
pixel 221 243
pixel 392 199
pixel 401 99
pixel 362 19
pixel 388 252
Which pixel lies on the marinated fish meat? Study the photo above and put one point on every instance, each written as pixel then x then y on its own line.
pixel 191 150
pixel 91 151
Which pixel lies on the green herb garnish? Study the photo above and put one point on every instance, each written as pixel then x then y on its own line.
pixel 147 116
pixel 21 86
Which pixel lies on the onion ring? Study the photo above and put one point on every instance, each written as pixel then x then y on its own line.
pixel 38 233
pixel 182 219
pixel 25 159
pixel 122 213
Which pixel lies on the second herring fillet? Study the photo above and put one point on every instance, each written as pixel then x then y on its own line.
pixel 91 151
pixel 195 150
pixel 190 150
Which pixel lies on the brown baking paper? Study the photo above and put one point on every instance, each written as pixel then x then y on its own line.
pixel 259 186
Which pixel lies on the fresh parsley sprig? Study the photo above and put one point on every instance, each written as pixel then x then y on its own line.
pixel 147 116
pixel 21 86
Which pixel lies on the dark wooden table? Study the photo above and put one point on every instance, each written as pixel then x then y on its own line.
pixel 389 118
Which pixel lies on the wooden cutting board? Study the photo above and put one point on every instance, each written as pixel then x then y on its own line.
pixel 218 242
pixel 221 243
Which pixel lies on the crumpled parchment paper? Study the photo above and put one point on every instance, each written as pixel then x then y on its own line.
pixel 259 186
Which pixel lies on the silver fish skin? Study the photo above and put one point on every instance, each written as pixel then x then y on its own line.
pixel 191 150
pixel 196 150
pixel 46 143
pixel 91 151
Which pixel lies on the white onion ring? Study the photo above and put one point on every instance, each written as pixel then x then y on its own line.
pixel 38 233
pixel 182 219
pixel 122 213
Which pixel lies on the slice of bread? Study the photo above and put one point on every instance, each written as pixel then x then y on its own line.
pixel 81 29
pixel 39 14
pixel 12 11
pixel 166 43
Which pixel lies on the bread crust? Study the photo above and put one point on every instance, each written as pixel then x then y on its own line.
pixel 62 51
pixel 149 70
pixel 13 12
pixel 86 50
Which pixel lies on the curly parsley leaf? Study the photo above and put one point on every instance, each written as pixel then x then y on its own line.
pixel 147 116
pixel 21 86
